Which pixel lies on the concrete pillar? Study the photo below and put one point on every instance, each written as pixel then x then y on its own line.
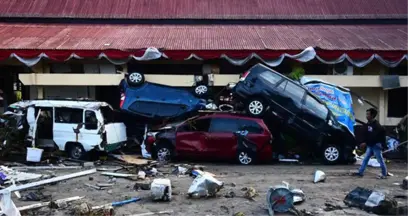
pixel 382 100
pixel 40 67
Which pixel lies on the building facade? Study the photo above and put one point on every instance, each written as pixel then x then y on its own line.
pixel 60 50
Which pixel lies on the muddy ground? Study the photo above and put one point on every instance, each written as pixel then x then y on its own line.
pixel 235 177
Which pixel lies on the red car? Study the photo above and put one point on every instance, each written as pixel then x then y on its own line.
pixel 213 137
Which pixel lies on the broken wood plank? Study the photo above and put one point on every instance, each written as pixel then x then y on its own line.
pixel 47 181
pixel 131 159
pixel 109 169
pixel 39 205
pixel 121 175
pixel 93 186
pixel 46 167
pixel 104 185
pixel 153 213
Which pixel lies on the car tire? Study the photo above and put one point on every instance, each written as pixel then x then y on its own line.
pixel 256 107
pixel 76 151
pixel 163 152
pixel 332 154
pixel 135 78
pixel 201 90
pixel 245 157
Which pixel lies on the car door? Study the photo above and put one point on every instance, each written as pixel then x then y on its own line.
pixel 269 80
pixel 65 120
pixel 314 116
pixel 222 139
pixel 258 136
pixel 89 132
pixel 192 139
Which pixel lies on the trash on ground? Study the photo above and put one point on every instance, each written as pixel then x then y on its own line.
pixel 39 205
pixel 230 194
pixel 319 176
pixel 204 185
pixel 281 198
pixel 370 201
pixel 94 186
pixel 131 159
pixel 298 196
pixel 35 196
pixel 239 214
pixel 161 190
pixel 178 170
pixel 124 202
pixel 104 185
pixel 47 181
pixel 142 186
pixel 141 175
pixel 250 193
pixel 119 175
pixel 405 183
pixel 46 167
pixel 331 207
pixel 9 175
pixel 153 213
pixel 372 162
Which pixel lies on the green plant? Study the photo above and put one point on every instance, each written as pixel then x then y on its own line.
pixel 297 73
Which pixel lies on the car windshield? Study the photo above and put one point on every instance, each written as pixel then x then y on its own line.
pixel 108 114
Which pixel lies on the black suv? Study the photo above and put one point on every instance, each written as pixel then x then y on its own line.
pixel 289 108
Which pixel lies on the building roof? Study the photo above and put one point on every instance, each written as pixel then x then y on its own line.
pixel 203 37
pixel 206 9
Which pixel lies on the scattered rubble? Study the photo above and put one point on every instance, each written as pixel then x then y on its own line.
pixel 204 185
pixel 370 201
pixel 250 193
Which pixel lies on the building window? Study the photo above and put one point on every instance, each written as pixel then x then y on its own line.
pixel 397 102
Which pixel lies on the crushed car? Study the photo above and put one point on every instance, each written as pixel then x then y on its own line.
pixel 217 136
pixel 290 108
pixel 74 126
pixel 158 101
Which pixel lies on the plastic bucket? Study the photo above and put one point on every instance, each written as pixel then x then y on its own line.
pixel 34 154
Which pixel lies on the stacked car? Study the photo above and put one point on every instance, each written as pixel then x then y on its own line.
pixel 265 101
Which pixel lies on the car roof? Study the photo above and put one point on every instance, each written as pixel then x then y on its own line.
pixel 230 115
pixel 262 66
pixel 91 105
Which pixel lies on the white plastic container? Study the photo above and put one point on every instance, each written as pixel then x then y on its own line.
pixel 34 154
pixel 161 190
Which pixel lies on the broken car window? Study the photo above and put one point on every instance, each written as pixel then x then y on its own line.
pixel 224 125
pixel 68 115
pixel 316 108
pixel 201 125
pixel 91 122
pixel 295 93
pixel 250 126
pixel 270 78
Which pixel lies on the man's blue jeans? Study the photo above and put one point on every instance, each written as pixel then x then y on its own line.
pixel 377 152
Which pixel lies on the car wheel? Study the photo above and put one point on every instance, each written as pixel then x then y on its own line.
pixel 245 157
pixel 332 154
pixel 76 152
pixel 136 78
pixel 164 153
pixel 201 90
pixel 256 107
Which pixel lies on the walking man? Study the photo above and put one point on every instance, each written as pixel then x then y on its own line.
pixel 374 140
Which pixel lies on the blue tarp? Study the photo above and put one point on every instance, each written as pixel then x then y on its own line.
pixel 338 100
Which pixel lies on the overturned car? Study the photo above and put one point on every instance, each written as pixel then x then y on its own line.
pixel 293 113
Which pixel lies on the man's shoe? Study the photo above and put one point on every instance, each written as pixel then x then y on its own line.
pixel 357 174
pixel 381 177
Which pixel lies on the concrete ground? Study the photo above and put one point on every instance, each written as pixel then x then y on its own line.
pixel 235 177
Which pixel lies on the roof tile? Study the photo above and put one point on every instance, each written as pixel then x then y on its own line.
pixel 206 9
pixel 203 37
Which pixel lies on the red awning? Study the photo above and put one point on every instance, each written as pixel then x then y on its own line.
pixel 120 43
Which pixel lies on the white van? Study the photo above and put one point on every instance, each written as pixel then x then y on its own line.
pixel 74 126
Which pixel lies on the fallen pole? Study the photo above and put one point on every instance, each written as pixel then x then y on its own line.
pixel 47 181
pixel 39 205
pixel 46 167
pixel 120 175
